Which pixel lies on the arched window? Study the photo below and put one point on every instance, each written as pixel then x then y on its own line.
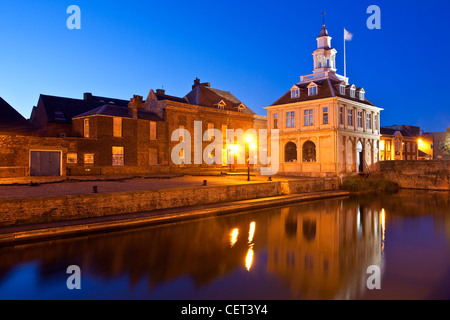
pixel 309 152
pixel 290 152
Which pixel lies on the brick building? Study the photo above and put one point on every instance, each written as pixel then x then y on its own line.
pixel 399 142
pixel 100 135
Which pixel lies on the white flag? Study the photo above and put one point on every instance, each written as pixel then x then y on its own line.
pixel 347 35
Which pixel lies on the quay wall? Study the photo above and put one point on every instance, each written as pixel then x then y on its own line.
pixel 39 210
pixel 418 174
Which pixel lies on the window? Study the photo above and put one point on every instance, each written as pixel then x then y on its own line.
pixel 325 115
pixel 290 152
pixel 359 119
pixel 117 156
pixel 342 89
pixel 388 145
pixel 86 128
pixel 295 93
pixel 275 121
pixel 89 159
pixel 308 115
pixel 290 119
pixel 369 121
pixel 152 130
pixel 312 91
pixel 117 127
pixel 361 95
pixel 350 117
pixel 72 158
pixel 341 115
pixel 376 122
pixel 352 92
pixel 309 151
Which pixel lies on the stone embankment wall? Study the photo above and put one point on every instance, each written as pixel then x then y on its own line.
pixel 27 211
pixel 426 174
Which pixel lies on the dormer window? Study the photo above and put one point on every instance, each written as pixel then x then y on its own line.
pixel 240 107
pixel 220 104
pixel 352 91
pixel 295 93
pixel 312 89
pixel 342 89
pixel 361 94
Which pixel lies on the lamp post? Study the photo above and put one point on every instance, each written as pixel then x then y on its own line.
pixel 249 140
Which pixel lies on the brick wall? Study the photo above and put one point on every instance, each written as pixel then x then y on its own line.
pixel 424 174
pixel 13 212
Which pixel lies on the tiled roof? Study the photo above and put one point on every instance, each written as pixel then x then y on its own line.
pixel 327 88
pixel 206 96
pixel 11 120
pixel 117 111
pixel 60 109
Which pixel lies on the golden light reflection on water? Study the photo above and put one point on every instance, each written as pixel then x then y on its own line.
pixel 383 228
pixel 234 236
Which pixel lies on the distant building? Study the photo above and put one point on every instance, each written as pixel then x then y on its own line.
pixel 400 142
pixel 327 125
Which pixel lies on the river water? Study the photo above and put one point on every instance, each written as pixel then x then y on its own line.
pixel 315 250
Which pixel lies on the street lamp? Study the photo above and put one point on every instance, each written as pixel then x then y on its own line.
pixel 251 145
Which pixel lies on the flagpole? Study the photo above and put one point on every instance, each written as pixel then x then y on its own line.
pixel 345 63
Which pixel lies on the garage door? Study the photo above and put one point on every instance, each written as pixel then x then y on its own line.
pixel 45 163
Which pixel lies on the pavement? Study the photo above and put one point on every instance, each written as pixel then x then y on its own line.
pixel 26 188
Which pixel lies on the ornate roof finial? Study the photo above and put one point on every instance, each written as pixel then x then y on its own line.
pixel 324 18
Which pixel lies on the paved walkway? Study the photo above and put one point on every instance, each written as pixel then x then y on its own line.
pixel 60 186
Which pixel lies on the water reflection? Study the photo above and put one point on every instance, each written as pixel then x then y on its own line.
pixel 316 250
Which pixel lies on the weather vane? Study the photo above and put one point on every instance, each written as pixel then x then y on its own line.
pixel 324 18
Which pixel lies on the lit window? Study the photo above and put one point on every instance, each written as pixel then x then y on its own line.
pixel 309 117
pixel 325 115
pixel 88 158
pixel 309 151
pixel 117 156
pixel 72 158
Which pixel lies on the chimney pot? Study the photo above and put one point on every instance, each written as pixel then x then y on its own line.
pixel 87 96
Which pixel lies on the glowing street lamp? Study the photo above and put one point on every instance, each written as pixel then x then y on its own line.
pixel 251 146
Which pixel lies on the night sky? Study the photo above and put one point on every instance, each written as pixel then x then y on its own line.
pixel 255 49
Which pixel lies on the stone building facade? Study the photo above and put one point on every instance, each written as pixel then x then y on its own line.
pixel 327 126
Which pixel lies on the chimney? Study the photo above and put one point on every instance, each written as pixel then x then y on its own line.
pixel 196 83
pixel 87 96
pixel 160 92
pixel 134 105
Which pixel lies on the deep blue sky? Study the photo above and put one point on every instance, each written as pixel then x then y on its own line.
pixel 255 49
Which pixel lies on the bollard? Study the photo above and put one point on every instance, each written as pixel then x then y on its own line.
pixel 205 182
pixel 270 179
pixel 94 189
